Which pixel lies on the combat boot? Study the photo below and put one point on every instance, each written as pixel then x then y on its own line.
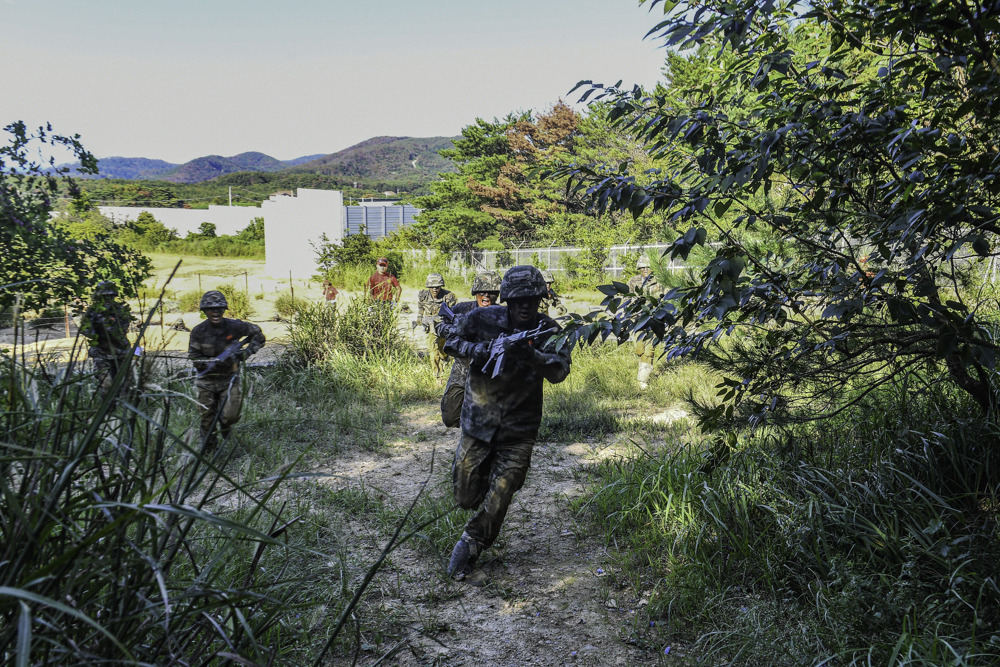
pixel 463 557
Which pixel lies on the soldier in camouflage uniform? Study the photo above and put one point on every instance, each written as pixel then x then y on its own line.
pixel 551 300
pixel 219 393
pixel 486 290
pixel 501 415
pixel 646 282
pixel 428 304
pixel 105 325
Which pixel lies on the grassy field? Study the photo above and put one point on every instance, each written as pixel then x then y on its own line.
pixel 317 534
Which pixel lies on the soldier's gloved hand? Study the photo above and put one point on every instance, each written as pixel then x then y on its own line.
pixel 480 352
pixel 442 329
pixel 520 351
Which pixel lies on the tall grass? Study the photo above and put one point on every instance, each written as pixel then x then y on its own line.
pixel 865 541
pixel 120 540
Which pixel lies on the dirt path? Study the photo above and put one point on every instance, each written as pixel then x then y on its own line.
pixel 545 601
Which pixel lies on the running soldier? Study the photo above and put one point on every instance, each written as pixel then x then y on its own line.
pixel 645 281
pixel 428 305
pixel 500 415
pixel 486 289
pixel 551 300
pixel 105 325
pixel 218 380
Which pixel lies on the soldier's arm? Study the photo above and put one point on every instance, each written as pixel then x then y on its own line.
pixel 554 366
pixel 461 341
pixel 198 352
pixel 257 339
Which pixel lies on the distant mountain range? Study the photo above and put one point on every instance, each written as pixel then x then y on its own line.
pixel 407 160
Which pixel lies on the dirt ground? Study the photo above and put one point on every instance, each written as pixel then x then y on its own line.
pixel 545 599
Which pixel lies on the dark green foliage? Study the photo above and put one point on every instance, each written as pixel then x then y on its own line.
pixel 861 135
pixel 355 250
pixel 867 537
pixel 287 306
pixel 240 307
pixel 42 264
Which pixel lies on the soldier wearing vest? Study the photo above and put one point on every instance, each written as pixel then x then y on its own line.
pixel 429 303
pixel 218 383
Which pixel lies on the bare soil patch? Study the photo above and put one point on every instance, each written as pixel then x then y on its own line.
pixel 545 600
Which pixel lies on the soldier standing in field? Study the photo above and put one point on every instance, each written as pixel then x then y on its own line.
pixel 500 415
pixel 218 381
pixel 646 282
pixel 551 300
pixel 105 325
pixel 429 302
pixel 486 290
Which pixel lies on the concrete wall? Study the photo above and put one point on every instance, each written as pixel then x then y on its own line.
pixel 227 219
pixel 291 224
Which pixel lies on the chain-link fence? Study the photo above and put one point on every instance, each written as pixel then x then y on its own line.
pixel 620 260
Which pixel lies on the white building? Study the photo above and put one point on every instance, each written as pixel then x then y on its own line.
pixel 293 224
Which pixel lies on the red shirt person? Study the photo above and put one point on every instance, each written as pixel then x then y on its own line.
pixel 383 286
pixel 329 291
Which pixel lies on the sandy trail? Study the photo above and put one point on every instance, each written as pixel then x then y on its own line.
pixel 545 601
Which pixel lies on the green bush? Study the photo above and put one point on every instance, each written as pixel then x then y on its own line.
pixel 286 306
pixel 360 328
pixel 188 301
pixel 239 302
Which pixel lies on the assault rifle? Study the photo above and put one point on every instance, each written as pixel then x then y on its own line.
pixel 447 316
pixel 499 346
pixel 232 350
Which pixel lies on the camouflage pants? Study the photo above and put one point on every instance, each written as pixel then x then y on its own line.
pixel 454 394
pixel 435 350
pixel 222 400
pixel 486 475
pixel 106 365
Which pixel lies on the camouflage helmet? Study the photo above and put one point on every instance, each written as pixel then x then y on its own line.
pixel 105 288
pixel 435 280
pixel 522 282
pixel 487 281
pixel 642 262
pixel 549 279
pixel 213 299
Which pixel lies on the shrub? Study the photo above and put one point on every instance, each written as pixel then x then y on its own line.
pixel 361 328
pixel 286 305
pixel 239 302
pixel 188 301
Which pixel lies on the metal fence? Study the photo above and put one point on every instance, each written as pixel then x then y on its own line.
pixel 378 221
pixel 620 261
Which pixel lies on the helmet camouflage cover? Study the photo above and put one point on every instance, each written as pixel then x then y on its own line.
pixel 547 275
pixel 435 280
pixel 522 282
pixel 487 281
pixel 105 288
pixel 213 299
pixel 642 263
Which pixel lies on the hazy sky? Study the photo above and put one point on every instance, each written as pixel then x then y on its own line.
pixel 180 79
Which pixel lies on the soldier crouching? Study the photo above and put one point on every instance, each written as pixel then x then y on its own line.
pixel 218 382
pixel 500 415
